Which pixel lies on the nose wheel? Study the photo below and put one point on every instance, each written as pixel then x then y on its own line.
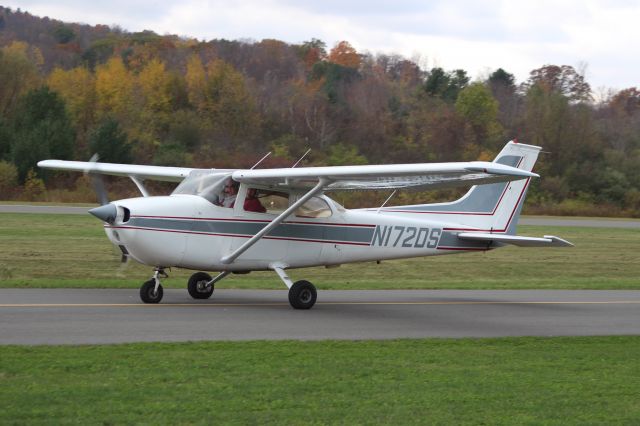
pixel 151 291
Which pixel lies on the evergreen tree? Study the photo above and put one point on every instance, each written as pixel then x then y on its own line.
pixel 110 142
pixel 42 129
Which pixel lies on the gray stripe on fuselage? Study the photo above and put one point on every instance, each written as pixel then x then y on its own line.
pixel 352 234
pixel 482 199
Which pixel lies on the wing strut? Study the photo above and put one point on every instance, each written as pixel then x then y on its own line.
pixel 140 185
pixel 275 222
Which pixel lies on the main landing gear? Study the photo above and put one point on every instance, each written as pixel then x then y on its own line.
pixel 302 294
pixel 201 285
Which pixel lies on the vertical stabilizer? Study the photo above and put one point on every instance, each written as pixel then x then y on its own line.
pixel 494 207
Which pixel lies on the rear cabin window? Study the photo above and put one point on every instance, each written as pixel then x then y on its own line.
pixel 314 207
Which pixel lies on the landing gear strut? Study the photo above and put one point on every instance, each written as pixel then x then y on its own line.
pixel 151 291
pixel 302 294
pixel 201 285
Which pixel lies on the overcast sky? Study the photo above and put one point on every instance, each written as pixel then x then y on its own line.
pixel 476 35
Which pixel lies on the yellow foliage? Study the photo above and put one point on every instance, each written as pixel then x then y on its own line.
pixel 228 101
pixel 77 88
pixel 18 72
pixel 196 82
pixel 154 82
pixel 114 87
pixel 34 187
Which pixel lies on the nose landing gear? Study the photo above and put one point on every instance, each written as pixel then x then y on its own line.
pixel 151 291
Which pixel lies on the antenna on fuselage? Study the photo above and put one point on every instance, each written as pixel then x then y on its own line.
pixel 260 161
pixel 301 158
pixel 387 200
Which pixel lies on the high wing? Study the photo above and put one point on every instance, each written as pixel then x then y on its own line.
pixel 370 177
pixel 167 174
pixel 397 176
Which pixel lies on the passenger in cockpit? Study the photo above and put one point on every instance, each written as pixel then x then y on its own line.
pixel 251 202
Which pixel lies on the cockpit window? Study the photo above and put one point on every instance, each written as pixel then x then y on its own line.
pixel 314 207
pixel 203 183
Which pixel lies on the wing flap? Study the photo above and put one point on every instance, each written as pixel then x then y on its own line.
pixel 516 240
pixel 167 174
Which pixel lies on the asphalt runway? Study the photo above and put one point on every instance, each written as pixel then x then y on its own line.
pixel 541 221
pixel 80 316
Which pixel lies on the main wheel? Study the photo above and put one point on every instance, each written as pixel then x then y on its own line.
pixel 302 295
pixel 197 286
pixel 148 293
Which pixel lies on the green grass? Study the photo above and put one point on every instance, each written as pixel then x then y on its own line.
pixel 594 380
pixel 72 251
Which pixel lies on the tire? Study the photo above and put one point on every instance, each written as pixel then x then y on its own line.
pixel 302 295
pixel 196 288
pixel 148 295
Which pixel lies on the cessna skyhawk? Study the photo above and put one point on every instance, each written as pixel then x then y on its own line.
pixel 293 224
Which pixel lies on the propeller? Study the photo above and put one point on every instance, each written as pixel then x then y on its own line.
pixel 98 183
pixel 106 212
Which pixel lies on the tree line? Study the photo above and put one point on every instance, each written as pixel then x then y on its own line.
pixel 69 91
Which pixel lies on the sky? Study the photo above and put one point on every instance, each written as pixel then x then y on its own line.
pixel 600 38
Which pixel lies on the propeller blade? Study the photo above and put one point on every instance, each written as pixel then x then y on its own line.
pixel 98 184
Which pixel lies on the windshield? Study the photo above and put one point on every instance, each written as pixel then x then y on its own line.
pixel 205 183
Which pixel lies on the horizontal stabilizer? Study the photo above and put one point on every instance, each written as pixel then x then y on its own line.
pixel 546 241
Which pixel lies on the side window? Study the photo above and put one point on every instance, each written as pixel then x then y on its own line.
pixel 314 207
pixel 262 201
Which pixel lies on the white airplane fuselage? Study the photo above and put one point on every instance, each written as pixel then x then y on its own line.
pixel 188 231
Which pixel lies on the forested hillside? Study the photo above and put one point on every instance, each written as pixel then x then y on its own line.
pixel 69 90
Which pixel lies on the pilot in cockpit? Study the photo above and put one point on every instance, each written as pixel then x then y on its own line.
pixel 229 194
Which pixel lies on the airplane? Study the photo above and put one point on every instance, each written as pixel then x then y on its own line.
pixel 299 226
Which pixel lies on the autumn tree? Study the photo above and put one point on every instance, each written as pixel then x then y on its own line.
pixel 196 79
pixel 154 82
pixel 619 121
pixel 77 88
pixel 627 101
pixel 18 72
pixel 313 51
pixel 228 103
pixel 562 79
pixel 114 89
pixel 344 54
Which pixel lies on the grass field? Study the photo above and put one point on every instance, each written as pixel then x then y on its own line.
pixel 563 381
pixel 72 251
pixel 559 381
